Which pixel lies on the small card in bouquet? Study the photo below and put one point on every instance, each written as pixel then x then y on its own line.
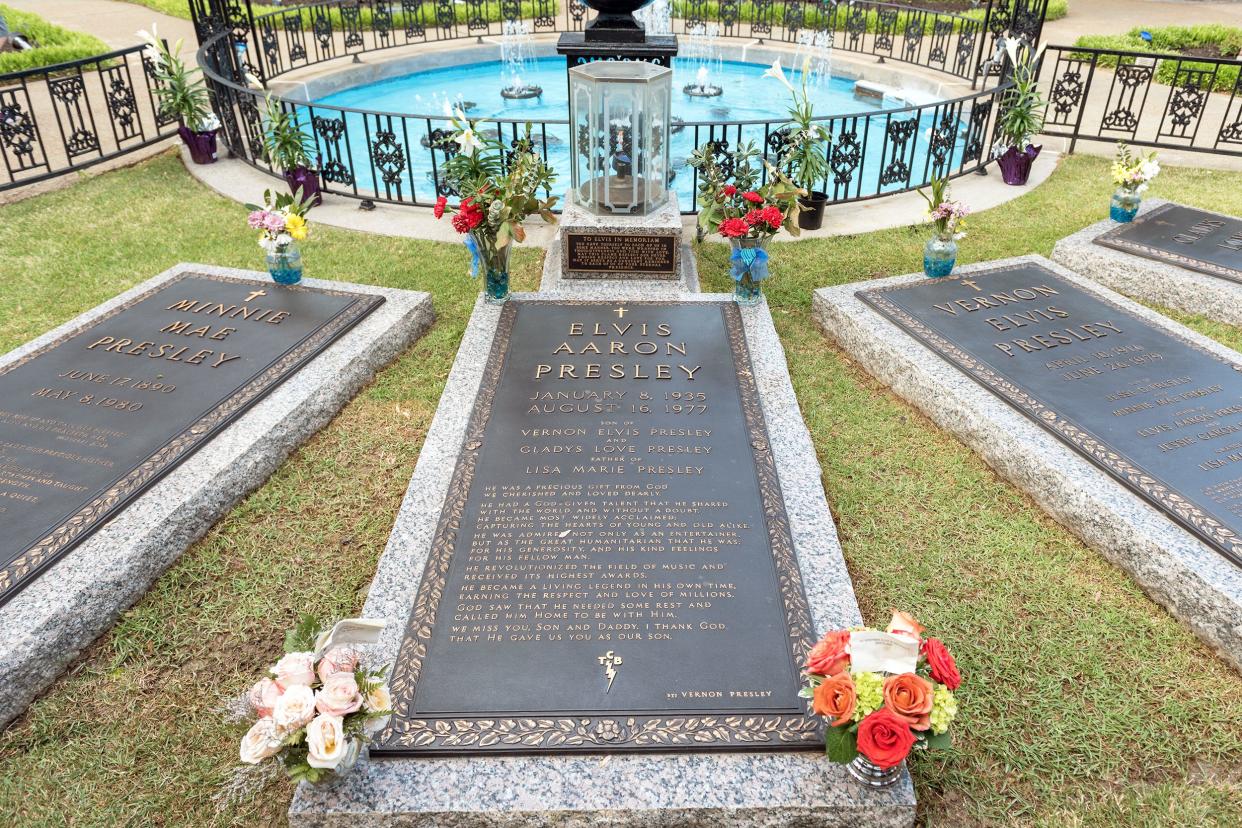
pixel 349 631
pixel 872 651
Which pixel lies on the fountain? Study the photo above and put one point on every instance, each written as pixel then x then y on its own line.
pixel 657 18
pixel 703 49
pixel 515 53
pixel 814 56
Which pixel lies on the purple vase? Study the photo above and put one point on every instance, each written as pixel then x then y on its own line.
pixel 202 144
pixel 1016 166
pixel 306 179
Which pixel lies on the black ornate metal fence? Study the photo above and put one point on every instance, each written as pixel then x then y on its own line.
pixel 398 156
pixel 66 117
pixel 1154 100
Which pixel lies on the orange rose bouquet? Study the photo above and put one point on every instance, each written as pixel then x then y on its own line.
pixel 883 694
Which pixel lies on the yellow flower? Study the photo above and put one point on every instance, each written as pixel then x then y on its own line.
pixel 296 227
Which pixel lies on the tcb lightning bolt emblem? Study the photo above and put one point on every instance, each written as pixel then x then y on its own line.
pixel 611 662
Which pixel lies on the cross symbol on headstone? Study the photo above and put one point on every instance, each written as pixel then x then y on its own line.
pixel 620 312
pixel 970 284
pixel 255 294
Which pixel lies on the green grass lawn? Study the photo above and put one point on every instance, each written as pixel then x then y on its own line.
pixel 1084 702
pixel 55 43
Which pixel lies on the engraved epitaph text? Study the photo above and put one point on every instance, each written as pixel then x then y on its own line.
pixel 1156 411
pixel 613 568
pixel 92 420
pixel 609 253
pixel 1190 238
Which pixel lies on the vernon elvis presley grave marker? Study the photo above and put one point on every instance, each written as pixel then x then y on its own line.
pixel 612 568
pixel 92 420
pixel 1194 239
pixel 1159 414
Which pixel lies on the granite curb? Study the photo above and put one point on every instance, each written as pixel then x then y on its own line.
pixel 51 621
pixel 1193 582
pixel 1160 283
pixel 743 789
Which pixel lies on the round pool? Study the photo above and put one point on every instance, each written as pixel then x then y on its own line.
pixel 864 141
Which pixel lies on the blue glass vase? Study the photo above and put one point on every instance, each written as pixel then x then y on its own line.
pixel 747 290
pixel 1125 205
pixel 285 264
pixel 493 263
pixel 939 257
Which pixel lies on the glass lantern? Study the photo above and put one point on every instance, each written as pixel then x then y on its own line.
pixel 620 116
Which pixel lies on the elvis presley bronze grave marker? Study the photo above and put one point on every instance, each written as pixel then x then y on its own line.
pixel 1156 411
pixel 1194 239
pixel 92 420
pixel 613 568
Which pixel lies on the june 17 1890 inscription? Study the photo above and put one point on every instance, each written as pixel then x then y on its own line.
pixel 1156 411
pixel 89 422
pixel 1184 236
pixel 613 568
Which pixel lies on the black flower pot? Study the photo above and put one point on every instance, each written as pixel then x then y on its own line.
pixel 811 217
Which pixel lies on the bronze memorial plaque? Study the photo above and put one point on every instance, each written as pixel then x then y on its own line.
pixel 1194 239
pixel 613 568
pixel 92 420
pixel 652 257
pixel 1157 412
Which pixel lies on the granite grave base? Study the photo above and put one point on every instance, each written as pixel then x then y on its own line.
pixel 1191 580
pixel 1161 283
pixel 648 789
pixel 50 622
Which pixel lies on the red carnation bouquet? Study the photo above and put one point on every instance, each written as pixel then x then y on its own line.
pixel 883 694
pixel 735 203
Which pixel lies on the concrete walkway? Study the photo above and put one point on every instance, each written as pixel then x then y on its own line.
pixel 1119 16
pixel 112 22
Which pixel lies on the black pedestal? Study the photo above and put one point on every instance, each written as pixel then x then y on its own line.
pixel 580 50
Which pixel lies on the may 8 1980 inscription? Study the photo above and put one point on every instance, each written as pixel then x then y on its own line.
pixel 613 568
pixel 92 420
pixel 1195 239
pixel 1160 414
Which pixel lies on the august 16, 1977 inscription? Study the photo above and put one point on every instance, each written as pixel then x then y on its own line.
pixel 89 422
pixel 613 569
pixel 1156 411
pixel 1195 239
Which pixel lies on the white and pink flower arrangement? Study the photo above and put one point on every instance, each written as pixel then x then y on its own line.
pixel 280 220
pixel 320 704
pixel 947 216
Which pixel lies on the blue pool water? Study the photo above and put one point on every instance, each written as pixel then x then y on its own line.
pixel 746 96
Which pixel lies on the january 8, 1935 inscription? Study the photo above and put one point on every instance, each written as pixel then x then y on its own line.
pixel 613 568
pixel 1156 411
pixel 90 421
pixel 1195 239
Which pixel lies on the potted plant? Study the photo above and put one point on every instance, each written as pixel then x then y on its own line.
pixel 949 219
pixel 289 148
pixel 882 694
pixel 806 143
pixel 1022 116
pixel 281 222
pixel 499 189
pixel 1131 174
pixel 745 212
pixel 182 93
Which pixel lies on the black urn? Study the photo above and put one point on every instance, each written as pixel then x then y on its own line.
pixel 615 21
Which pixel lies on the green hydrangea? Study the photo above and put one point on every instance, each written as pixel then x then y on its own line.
pixel 869 688
pixel 944 709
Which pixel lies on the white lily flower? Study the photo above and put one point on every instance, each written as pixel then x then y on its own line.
pixel 775 71
pixel 468 141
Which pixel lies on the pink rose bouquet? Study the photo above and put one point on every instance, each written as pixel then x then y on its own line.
pixel 317 707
